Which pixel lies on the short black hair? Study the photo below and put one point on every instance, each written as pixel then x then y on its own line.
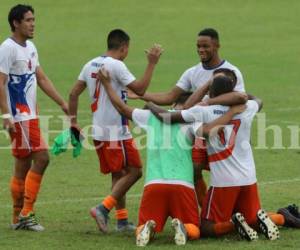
pixel 228 72
pixel 221 85
pixel 212 33
pixel 117 38
pixel 17 13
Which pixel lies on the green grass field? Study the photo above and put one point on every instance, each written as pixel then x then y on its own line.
pixel 260 37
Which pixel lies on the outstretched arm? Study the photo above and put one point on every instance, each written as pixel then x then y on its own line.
pixel 120 106
pixel 165 115
pixel 228 99
pixel 139 87
pixel 197 96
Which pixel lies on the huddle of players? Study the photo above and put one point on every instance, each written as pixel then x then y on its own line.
pixel 232 200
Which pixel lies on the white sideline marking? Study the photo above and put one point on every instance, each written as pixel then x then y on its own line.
pixel 130 196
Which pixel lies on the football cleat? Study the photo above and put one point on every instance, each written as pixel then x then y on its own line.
pixel 243 229
pixel 291 216
pixel 267 226
pixel 28 222
pixel 146 233
pixel 100 218
pixel 180 237
pixel 128 227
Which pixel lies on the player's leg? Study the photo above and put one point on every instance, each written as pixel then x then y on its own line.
pixel 200 162
pixel 288 216
pixel 248 203
pixel 183 208
pixel 152 217
pixel 114 157
pixel 28 142
pixel 217 211
pixel 121 212
pixel 17 187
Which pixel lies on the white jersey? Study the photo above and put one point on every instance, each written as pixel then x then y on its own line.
pixel 108 124
pixel 19 63
pixel 195 77
pixel 229 153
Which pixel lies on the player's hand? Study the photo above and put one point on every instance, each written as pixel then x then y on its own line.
pixel 153 54
pixel 103 76
pixel 76 131
pixel 65 107
pixel 237 109
pixel 202 103
pixel 132 95
pixel 9 126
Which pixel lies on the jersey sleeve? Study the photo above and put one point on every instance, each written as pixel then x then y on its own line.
pixel 184 81
pixel 7 58
pixel 251 110
pixel 194 114
pixel 140 117
pixel 240 85
pixel 83 74
pixel 123 74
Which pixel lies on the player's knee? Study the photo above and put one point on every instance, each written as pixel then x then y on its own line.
pixel 43 160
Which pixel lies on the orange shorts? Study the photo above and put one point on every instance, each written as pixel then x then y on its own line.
pixel 221 203
pixel 116 155
pixel 160 201
pixel 27 138
pixel 199 153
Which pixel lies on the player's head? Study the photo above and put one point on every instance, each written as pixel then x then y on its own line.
pixel 21 20
pixel 221 84
pixel 178 104
pixel 208 45
pixel 118 40
pixel 226 72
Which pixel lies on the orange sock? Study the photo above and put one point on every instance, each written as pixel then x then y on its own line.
pixel 122 214
pixel 278 219
pixel 109 202
pixel 193 232
pixel 17 194
pixel 201 189
pixel 32 187
pixel 223 228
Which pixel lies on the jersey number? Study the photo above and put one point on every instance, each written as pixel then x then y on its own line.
pixel 94 105
pixel 230 144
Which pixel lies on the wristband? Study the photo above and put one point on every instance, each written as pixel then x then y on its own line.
pixel 6 116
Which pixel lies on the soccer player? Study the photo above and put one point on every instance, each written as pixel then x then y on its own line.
pixel 112 139
pixel 20 73
pixel 169 189
pixel 194 78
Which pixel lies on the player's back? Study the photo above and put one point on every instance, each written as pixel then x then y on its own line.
pixel 109 125
pixel 229 152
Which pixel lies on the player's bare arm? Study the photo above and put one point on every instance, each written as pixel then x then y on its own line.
pixel 120 106
pixel 139 87
pixel 76 91
pixel 215 126
pixel 197 96
pixel 164 98
pixel 48 88
pixel 165 115
pixel 228 99
pixel 7 121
